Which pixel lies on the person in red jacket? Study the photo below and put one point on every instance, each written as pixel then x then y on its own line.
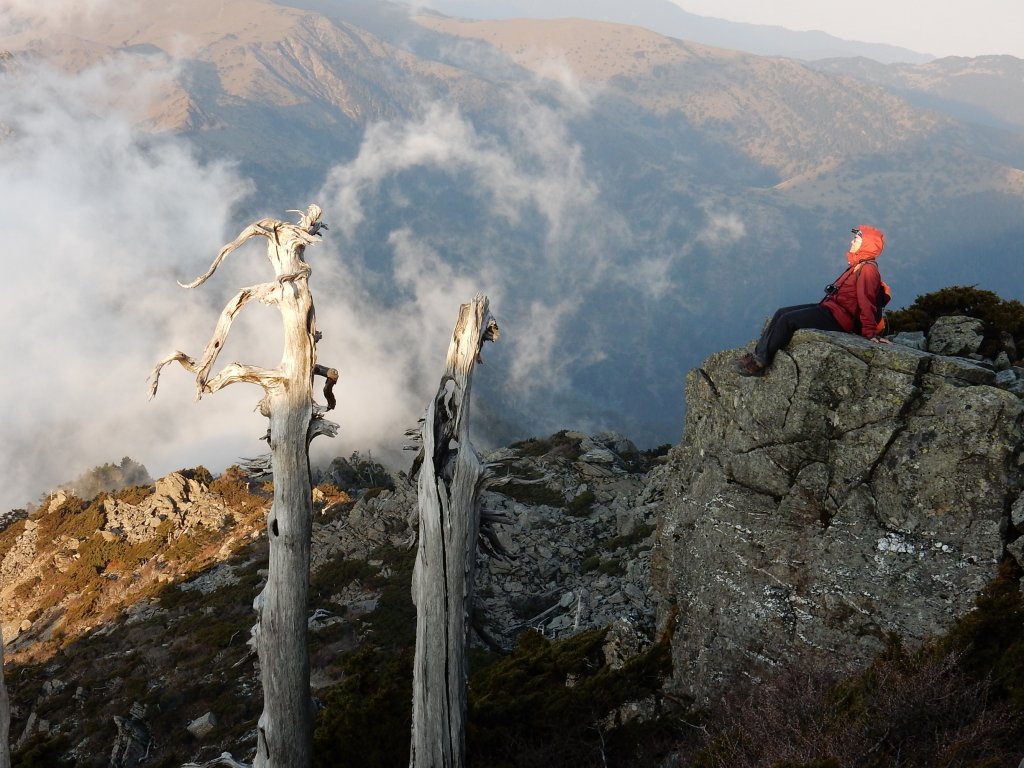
pixel 849 305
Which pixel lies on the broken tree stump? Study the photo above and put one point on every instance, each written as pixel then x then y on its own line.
pixel 450 478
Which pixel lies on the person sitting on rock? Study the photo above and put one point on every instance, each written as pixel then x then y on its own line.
pixel 850 305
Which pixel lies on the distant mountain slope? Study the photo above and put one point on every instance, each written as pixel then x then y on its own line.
pixel 988 90
pixel 667 18
pixel 630 202
pixel 784 115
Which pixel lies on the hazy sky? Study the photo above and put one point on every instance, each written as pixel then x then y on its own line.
pixel 938 27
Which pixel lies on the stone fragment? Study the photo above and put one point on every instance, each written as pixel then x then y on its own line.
pixel 955 335
pixel 853 491
pixel 202 725
pixel 912 339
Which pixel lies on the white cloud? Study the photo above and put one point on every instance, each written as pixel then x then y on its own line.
pixel 533 170
pixel 106 217
pixel 99 220
pixel 67 14
pixel 721 228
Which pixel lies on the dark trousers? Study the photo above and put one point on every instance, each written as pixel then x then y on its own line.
pixel 786 320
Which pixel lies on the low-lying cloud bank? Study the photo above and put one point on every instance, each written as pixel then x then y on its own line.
pixel 102 217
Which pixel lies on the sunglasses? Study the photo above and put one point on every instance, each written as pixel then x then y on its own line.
pixel 857 233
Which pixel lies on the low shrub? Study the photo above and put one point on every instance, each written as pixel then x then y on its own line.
pixel 367 719
pixel 42 751
pixel 74 519
pixel 9 536
pixel 534 494
pixel 559 445
pixel 998 315
pixel 544 704
pixel 134 494
pixel 582 504
pixel 629 540
pixel 200 474
pixel 956 700
pixel 336 574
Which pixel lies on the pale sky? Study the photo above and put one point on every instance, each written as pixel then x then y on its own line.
pixel 938 27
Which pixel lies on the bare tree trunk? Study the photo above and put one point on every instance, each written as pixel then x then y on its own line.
pixel 450 480
pixel 285 728
pixel 5 713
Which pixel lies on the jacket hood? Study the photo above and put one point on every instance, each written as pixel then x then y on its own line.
pixel 872 243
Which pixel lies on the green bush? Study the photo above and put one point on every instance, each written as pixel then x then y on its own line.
pixel 74 518
pixel 609 567
pixel 559 444
pixel 998 315
pixel 42 751
pixel 582 504
pixel 542 704
pixel 991 637
pixel 629 540
pixel 367 719
pixel 134 494
pixel 237 490
pixel 9 536
pixel 532 494
pixel 336 574
pixel 190 544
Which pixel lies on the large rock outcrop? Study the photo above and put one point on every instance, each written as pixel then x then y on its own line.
pixel 856 490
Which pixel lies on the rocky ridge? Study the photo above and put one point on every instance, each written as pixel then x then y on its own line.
pixel 160 619
pixel 100 558
pixel 577 536
pixel 856 490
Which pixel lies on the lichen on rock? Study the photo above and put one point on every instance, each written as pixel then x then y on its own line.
pixel 856 490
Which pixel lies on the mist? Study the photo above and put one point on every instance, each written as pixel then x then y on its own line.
pixel 100 220
pixel 104 215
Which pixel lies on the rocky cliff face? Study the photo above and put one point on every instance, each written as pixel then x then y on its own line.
pixel 856 490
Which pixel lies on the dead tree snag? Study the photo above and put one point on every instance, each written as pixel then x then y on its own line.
pixel 450 478
pixel 285 728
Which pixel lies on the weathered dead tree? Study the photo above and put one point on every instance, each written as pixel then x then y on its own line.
pixel 5 713
pixel 450 478
pixel 285 728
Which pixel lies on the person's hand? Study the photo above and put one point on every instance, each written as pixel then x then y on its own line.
pixel 880 340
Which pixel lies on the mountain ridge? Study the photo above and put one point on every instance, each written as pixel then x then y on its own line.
pixel 690 198
pixel 671 19
pixel 127 620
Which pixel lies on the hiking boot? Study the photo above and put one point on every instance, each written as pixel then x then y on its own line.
pixel 747 365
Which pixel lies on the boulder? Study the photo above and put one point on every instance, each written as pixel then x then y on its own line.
pixel 855 490
pixel 955 335
pixel 132 742
pixel 203 725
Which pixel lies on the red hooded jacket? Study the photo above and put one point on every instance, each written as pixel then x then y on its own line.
pixel 853 305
